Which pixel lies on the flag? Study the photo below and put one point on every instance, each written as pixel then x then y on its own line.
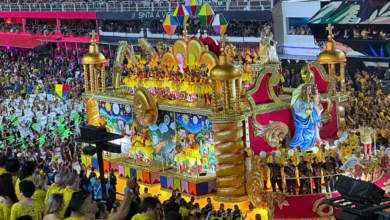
pixel 62 90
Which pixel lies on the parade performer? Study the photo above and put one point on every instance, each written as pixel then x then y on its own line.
pixel 148 148
pixel 247 76
pixel 179 155
pixel 365 137
pixel 358 170
pixel 193 153
pixel 136 145
pixel 176 84
pixel 384 159
pixel 205 85
pixel 305 118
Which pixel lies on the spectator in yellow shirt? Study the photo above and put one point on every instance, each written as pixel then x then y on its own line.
pixel 145 194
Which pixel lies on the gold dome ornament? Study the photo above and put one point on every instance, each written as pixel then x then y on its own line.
pixel 145 107
pixel 226 80
pixel 331 55
pixel 225 70
pixel 94 65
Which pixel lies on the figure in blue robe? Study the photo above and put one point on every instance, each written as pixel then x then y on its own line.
pixel 305 134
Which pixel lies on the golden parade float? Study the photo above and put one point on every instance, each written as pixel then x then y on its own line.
pixel 202 120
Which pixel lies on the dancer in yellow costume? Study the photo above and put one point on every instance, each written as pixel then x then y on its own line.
pixel 180 156
pixel 166 83
pixel 184 85
pixel 147 147
pixel 192 153
pixel 247 77
pixel 205 85
pixel 136 145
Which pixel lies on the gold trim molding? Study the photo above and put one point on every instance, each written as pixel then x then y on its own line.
pixel 273 132
pixel 276 103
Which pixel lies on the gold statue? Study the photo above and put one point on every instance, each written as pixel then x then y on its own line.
pixel 268 54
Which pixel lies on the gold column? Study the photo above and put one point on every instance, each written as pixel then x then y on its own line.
pixel 103 77
pixel 214 98
pixel 92 108
pixel 333 69
pixel 342 78
pixel 224 94
pixel 330 69
pixel 238 94
pixel 230 160
pixel 96 78
pixel 85 77
pixel 228 92
pixel 91 77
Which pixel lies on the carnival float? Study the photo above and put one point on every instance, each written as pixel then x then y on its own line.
pixel 202 119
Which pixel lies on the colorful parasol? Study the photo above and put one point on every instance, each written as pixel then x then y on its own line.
pixel 181 14
pixel 193 7
pixel 219 24
pixel 206 14
pixel 170 24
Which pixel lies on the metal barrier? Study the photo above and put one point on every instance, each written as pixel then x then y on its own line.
pixel 121 6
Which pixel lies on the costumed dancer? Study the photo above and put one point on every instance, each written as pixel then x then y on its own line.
pixel 175 79
pixel 152 77
pixel 365 137
pixel 161 83
pixel 384 159
pixel 358 169
pixel 193 153
pixel 131 79
pixel 305 118
pixel 179 155
pixel 184 85
pixel 193 88
pixel 166 83
pixel 247 76
pixel 205 85
pixel 141 73
pixel 136 145
pixel 147 147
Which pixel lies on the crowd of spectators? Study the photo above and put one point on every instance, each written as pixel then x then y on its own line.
pixel 55 190
pixel 77 28
pixel 38 27
pixel 133 26
pixel 14 27
pixel 356 32
pixel 299 30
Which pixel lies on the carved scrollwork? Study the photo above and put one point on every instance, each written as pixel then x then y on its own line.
pixel 259 73
pixel 123 51
pixel 147 47
pixel 273 133
pixel 319 208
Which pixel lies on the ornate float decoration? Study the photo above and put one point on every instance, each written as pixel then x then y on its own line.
pixel 205 113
